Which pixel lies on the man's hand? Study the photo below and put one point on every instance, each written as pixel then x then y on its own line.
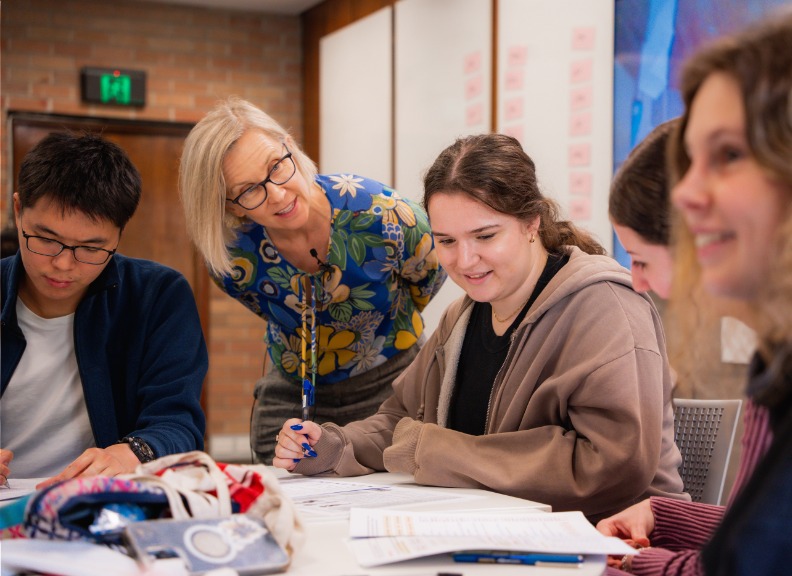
pixel 111 461
pixel 5 460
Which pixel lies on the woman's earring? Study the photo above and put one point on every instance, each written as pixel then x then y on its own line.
pixel 533 238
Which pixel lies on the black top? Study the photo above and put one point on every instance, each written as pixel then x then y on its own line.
pixel 483 354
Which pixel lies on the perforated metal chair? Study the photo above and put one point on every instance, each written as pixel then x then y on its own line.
pixel 704 432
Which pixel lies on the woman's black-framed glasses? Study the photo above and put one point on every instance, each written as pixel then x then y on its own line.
pixel 51 247
pixel 253 197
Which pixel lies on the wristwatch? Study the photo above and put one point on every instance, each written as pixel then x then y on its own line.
pixel 139 448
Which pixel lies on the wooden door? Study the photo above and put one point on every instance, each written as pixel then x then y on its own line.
pixel 156 231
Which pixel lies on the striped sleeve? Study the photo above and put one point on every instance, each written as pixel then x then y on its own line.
pixel 756 440
pixel 683 525
pixel 682 528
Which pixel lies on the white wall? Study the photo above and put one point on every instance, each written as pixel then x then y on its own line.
pixel 355 98
pixel 443 75
pixel 555 95
pixel 555 69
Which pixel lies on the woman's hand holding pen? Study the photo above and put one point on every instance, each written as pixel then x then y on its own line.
pixel 294 442
pixel 5 459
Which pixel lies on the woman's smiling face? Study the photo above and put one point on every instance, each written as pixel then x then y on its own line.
pixel 731 205
pixel 487 253
pixel 250 161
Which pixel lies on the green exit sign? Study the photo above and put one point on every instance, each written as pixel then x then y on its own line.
pixel 115 86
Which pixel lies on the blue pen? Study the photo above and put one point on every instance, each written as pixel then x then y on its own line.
pixel 534 559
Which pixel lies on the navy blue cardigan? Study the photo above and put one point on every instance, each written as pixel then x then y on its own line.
pixel 140 352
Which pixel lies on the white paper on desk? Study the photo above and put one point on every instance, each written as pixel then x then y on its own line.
pixel 66 558
pixel 19 487
pixel 301 486
pixel 325 498
pixel 385 536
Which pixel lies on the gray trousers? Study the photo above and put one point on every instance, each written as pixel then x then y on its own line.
pixel 277 398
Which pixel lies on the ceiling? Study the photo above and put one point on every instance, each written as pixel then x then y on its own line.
pixel 290 7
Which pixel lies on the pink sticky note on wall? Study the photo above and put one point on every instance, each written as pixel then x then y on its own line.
pixel 580 183
pixel 514 79
pixel 583 38
pixel 580 98
pixel 517 56
pixel 473 86
pixel 513 109
pixel 472 62
pixel 580 208
pixel 580 71
pixel 474 114
pixel 579 154
pixel 580 124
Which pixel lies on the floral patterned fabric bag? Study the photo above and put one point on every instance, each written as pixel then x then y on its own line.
pixel 180 486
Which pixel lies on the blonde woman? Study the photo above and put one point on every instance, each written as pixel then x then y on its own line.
pixel 339 266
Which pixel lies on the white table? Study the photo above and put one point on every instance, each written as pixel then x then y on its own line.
pixel 325 552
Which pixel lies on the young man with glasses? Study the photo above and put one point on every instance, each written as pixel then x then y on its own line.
pixel 103 356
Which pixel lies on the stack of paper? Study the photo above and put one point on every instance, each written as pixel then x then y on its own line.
pixel 386 536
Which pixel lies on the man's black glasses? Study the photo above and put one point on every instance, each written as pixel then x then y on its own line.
pixel 256 195
pixel 50 247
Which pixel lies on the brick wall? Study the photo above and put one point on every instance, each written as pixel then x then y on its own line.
pixel 193 57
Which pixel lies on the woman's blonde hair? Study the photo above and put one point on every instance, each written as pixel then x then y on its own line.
pixel 202 187
pixel 760 61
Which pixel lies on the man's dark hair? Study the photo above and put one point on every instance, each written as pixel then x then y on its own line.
pixel 81 173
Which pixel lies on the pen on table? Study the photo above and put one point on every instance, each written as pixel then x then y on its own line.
pixel 546 560
pixel 5 483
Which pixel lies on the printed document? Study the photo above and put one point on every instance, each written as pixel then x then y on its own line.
pixel 384 536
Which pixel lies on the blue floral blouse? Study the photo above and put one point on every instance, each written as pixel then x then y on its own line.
pixel 382 270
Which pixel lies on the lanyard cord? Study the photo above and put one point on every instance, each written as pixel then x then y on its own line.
pixel 312 288
pixel 307 384
pixel 313 338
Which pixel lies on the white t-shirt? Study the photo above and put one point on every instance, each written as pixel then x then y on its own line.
pixel 43 417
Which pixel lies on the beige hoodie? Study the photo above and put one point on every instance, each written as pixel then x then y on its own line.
pixel 580 416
